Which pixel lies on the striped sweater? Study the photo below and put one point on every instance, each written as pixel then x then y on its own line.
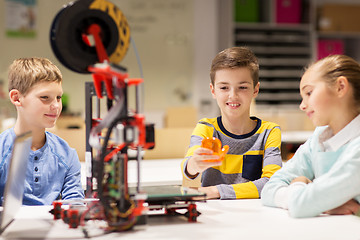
pixel 251 160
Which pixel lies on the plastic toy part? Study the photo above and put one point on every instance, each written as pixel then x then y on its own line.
pixel 215 145
pixel 73 215
pixel 57 210
pixel 192 213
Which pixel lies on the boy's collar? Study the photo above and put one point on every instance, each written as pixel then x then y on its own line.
pixel 223 129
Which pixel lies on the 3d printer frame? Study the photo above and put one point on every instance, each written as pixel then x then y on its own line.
pixel 92 36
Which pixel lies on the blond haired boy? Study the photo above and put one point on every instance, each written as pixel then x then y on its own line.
pixel 53 167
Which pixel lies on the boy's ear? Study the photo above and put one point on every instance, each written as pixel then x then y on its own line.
pixel 14 96
pixel 256 90
pixel 212 90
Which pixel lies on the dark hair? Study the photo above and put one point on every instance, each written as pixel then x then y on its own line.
pixel 235 57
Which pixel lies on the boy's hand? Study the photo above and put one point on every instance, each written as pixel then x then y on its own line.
pixel 211 192
pixel 201 160
pixel 350 207
pixel 301 179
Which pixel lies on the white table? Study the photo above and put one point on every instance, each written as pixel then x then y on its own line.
pixel 152 172
pixel 295 136
pixel 220 219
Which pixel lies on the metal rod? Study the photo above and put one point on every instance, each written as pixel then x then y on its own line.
pixel 88 148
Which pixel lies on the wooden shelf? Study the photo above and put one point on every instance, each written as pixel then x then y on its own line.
pixel 283 50
pixel 339 35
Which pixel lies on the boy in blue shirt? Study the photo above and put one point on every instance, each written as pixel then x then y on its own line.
pixel 53 167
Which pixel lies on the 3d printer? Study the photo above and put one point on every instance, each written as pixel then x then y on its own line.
pixel 92 37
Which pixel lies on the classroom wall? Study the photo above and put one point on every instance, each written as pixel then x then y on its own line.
pixel 12 48
pixel 176 40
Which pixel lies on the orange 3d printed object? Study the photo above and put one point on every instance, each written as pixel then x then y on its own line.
pixel 215 145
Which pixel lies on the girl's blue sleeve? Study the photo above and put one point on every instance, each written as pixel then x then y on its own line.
pixel 299 165
pixel 330 190
pixel 337 179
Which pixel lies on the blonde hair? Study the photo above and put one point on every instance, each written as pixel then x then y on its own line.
pixel 235 57
pixel 334 66
pixel 26 72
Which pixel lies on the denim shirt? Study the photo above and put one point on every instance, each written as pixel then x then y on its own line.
pixel 52 171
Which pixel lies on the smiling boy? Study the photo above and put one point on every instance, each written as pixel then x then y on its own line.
pixel 53 167
pixel 254 145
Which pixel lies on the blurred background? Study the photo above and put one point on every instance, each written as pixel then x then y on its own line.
pixel 177 40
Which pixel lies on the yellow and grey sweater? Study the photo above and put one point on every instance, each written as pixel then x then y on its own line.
pixel 251 160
